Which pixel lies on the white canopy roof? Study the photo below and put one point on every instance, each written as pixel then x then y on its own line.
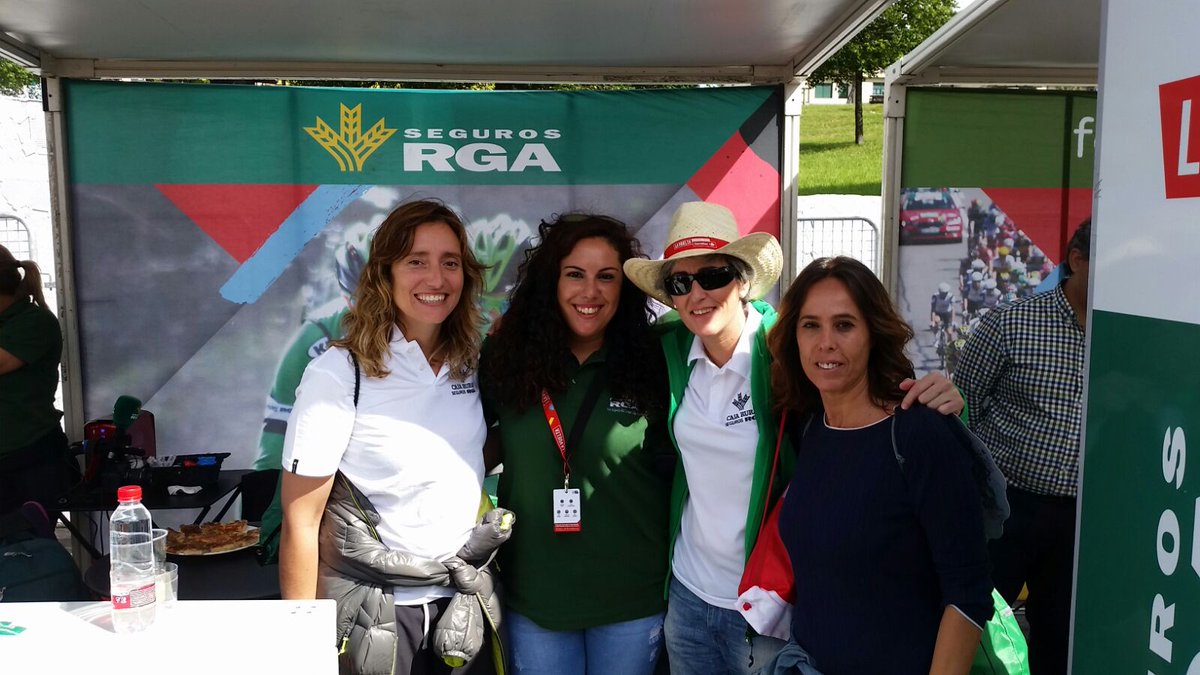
pixel 515 40
pixel 1010 42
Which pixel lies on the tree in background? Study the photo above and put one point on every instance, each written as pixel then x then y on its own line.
pixel 901 27
pixel 15 80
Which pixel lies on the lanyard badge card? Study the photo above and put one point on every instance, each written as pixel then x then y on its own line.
pixel 567 510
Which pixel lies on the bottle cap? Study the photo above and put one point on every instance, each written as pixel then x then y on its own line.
pixel 129 493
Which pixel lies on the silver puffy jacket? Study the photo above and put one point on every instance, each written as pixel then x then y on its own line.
pixel 359 572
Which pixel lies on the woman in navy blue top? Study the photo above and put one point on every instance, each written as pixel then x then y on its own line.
pixel 882 520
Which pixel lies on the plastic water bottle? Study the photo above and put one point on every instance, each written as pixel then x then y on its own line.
pixel 131 577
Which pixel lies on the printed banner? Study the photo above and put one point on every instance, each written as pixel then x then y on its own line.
pixel 992 186
pixel 1137 593
pixel 217 229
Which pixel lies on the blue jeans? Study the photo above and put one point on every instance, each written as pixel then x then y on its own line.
pixel 707 640
pixel 628 647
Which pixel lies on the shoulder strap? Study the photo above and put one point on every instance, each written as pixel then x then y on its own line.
pixel 775 460
pixel 989 481
pixel 895 446
pixel 771 473
pixel 356 497
pixel 357 377
pixel 585 410
pixel 328 335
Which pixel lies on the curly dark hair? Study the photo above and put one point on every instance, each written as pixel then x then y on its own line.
pixel 531 348
pixel 887 364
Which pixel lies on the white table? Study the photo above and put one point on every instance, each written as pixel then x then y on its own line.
pixel 197 636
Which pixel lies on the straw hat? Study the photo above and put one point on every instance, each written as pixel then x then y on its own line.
pixel 701 228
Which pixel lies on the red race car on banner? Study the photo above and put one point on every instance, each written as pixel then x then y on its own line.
pixel 930 215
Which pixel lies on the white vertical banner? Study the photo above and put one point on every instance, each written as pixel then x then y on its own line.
pixel 1137 584
pixel 1150 161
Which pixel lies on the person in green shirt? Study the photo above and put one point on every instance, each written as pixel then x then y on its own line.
pixel 32 443
pixel 575 383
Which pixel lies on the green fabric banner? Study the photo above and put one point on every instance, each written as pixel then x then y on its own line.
pixel 998 139
pixel 218 230
pixel 218 134
pixel 1139 533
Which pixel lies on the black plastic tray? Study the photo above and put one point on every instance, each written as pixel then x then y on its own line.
pixel 179 474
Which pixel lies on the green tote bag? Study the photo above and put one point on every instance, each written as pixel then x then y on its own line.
pixel 1002 649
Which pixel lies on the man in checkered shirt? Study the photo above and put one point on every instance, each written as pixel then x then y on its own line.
pixel 1021 373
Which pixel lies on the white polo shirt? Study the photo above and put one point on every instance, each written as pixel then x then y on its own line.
pixel 717 436
pixel 414 447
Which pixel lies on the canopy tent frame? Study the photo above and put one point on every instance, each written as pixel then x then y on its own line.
pixel 764 42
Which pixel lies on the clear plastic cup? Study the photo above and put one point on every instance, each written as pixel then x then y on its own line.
pixel 166 585
pixel 158 537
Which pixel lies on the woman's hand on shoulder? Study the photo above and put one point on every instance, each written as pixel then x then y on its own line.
pixel 934 390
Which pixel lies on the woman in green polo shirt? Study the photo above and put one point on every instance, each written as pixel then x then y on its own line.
pixel 32 443
pixel 576 382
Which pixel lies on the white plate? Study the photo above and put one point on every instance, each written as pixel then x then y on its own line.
pixel 249 528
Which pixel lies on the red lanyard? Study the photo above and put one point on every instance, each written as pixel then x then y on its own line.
pixel 556 430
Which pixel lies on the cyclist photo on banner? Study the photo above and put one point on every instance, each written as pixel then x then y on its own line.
pixel 973 256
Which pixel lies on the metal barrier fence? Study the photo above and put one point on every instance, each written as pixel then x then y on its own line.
pixel 14 236
pixel 854 237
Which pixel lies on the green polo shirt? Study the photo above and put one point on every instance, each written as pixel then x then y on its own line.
pixel 613 569
pixel 32 334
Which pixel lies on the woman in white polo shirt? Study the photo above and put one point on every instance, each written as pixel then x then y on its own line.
pixel 720 419
pixel 413 442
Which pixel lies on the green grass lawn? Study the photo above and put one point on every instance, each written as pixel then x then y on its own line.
pixel 830 162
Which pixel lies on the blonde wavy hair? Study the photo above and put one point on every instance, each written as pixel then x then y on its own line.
pixel 13 283
pixel 373 315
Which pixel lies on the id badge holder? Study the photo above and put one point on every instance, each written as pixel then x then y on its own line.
pixel 566 510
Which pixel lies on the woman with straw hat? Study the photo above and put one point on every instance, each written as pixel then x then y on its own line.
pixel 721 422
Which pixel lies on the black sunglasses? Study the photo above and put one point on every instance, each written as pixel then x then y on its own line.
pixel 709 278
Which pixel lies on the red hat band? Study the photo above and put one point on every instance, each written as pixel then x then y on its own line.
pixel 692 244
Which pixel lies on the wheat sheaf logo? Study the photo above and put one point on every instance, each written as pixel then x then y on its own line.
pixel 740 401
pixel 348 145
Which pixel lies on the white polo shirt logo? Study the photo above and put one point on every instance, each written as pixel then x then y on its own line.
pixel 740 414
pixel 462 388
